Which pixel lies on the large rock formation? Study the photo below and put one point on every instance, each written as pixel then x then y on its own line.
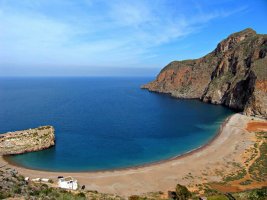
pixel 27 140
pixel 234 74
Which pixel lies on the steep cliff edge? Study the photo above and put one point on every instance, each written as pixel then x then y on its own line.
pixel 27 140
pixel 234 74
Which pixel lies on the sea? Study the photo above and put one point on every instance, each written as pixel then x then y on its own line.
pixel 104 123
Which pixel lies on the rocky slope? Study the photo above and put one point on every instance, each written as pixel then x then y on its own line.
pixel 14 187
pixel 234 74
pixel 27 140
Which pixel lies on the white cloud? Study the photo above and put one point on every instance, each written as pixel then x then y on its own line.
pixel 118 33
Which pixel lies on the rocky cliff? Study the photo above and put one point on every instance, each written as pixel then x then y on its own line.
pixel 234 74
pixel 27 140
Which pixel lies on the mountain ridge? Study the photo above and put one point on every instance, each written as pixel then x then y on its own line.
pixel 234 74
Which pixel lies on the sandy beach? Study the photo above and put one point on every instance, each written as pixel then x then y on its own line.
pixel 201 165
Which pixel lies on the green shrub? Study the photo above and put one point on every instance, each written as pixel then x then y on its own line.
pixel 134 197
pixel 34 192
pixel 218 197
pixel 81 195
pixel 256 194
pixel 17 190
pixel 246 182
pixel 182 192
pixel 20 178
pixel 4 195
pixel 259 194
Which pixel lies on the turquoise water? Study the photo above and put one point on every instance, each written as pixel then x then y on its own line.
pixel 104 123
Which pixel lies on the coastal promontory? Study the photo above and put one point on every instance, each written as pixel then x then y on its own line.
pixel 234 74
pixel 30 140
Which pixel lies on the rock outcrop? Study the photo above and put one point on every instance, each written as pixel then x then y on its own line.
pixel 234 74
pixel 19 142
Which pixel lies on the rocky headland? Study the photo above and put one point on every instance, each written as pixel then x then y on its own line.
pixel 19 142
pixel 234 74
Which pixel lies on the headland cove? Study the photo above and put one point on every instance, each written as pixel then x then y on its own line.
pixel 137 127
pixel 234 160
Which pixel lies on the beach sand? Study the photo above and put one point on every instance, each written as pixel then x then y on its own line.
pixel 206 164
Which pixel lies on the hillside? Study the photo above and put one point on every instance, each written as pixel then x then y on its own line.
pixel 234 74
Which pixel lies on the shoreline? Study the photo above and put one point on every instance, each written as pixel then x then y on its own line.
pixel 188 153
pixel 188 169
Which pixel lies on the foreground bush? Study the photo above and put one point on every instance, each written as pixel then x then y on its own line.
pixel 182 192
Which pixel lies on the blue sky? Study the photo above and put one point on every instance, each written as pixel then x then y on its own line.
pixel 116 37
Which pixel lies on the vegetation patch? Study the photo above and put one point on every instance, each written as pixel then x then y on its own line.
pixel 218 197
pixel 235 176
pixel 246 182
pixel 258 170
pixel 256 194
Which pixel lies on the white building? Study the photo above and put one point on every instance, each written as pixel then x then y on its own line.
pixel 45 179
pixel 68 183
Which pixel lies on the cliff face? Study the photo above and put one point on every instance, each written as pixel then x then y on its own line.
pixel 27 140
pixel 234 74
